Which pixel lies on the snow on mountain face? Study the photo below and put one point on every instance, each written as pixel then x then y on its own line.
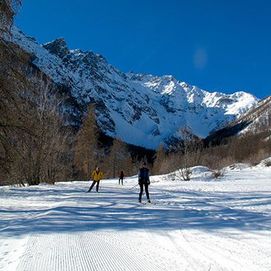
pixel 143 110
pixel 258 118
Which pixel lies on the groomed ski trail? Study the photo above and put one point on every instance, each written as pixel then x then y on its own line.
pixel 81 252
pixel 190 226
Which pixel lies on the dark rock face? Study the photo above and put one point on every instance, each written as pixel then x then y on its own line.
pixel 58 47
pixel 217 137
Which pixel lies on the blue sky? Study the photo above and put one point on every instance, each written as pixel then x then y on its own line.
pixel 219 45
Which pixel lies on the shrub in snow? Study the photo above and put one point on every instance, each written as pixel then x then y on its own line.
pixel 217 173
pixel 267 163
pixel 185 174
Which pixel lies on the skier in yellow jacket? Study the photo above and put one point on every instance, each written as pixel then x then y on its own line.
pixel 96 176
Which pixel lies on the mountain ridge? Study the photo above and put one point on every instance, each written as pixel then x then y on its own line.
pixel 140 109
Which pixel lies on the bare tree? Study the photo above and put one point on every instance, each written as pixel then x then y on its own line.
pixel 190 149
pixel 12 116
pixel 118 159
pixel 40 152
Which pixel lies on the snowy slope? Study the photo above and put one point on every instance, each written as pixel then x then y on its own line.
pixel 256 120
pixel 143 110
pixel 259 118
pixel 204 224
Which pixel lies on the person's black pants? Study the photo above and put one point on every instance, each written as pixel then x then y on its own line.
pixel 121 180
pixel 97 186
pixel 146 190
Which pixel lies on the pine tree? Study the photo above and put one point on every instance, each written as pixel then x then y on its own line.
pixel 86 153
pixel 160 161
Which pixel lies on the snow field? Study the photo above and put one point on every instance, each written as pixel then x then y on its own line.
pixel 204 224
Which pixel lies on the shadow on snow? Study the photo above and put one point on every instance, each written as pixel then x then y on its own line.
pixel 118 210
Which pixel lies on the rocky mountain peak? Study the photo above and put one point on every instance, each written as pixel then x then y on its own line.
pixel 140 109
pixel 57 47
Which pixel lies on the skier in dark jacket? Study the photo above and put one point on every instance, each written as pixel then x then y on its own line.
pixel 144 180
pixel 121 177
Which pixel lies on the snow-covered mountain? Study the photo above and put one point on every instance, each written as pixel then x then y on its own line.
pixel 256 120
pixel 140 109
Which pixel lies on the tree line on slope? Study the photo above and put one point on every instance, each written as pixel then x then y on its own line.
pixel 32 136
pixel 249 148
pixel 36 145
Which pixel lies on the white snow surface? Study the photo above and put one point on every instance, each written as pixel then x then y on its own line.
pixel 202 224
pixel 140 109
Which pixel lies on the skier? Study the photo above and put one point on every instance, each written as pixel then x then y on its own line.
pixel 121 176
pixel 96 176
pixel 144 180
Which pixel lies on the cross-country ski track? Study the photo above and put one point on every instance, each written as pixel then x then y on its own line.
pixel 196 225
